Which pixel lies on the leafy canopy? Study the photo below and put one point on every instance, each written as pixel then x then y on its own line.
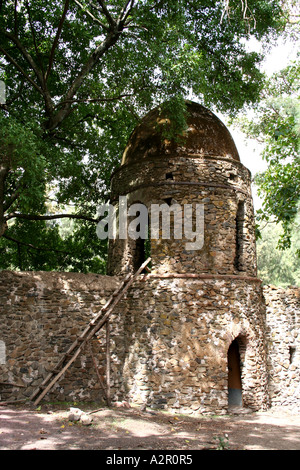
pixel 276 124
pixel 79 74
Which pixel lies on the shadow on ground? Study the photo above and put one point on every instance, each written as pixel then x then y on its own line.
pixel 24 428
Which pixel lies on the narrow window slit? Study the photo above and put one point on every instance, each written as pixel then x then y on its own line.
pixel 292 353
pixel 239 233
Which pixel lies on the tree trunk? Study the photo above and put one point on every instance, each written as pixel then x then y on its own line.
pixel 3 174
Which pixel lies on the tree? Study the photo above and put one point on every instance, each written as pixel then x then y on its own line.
pixel 278 267
pixel 291 12
pixel 276 124
pixel 78 76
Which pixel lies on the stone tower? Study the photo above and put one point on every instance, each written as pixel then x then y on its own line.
pixel 193 328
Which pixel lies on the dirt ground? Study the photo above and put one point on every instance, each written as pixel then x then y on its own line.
pixel 121 428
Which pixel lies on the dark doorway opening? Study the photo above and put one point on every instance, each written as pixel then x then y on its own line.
pixel 142 248
pixel 139 255
pixel 234 375
pixel 239 231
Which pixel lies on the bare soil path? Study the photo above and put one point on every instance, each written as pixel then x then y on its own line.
pixel 118 429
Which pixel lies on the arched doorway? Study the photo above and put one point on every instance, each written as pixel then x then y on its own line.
pixel 234 375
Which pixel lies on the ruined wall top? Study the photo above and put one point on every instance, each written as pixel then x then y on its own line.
pixel 206 135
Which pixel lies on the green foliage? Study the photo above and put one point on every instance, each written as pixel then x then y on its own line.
pixel 79 75
pixel 276 124
pixel 21 150
pixel 39 245
pixel 276 266
pixel 222 442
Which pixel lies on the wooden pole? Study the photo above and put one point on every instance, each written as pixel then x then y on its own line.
pixel 95 325
pixel 108 363
pixel 97 370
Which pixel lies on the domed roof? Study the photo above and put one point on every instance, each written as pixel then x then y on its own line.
pixel 205 135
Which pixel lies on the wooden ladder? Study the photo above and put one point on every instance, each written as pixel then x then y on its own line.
pixel 93 327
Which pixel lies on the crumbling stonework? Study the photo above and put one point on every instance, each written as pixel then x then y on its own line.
pixel 283 342
pixel 41 314
pixel 197 332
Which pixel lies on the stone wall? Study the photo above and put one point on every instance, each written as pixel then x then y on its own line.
pixel 283 337
pixel 177 331
pixel 169 339
pixel 41 315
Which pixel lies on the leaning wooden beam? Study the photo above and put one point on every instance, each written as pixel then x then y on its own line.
pixel 95 325
pixel 57 377
pixel 108 363
pixel 98 374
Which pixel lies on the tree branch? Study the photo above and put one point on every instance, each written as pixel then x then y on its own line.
pixel 15 18
pixel 106 13
pixel 38 72
pixel 33 246
pixel 34 37
pixel 18 92
pixel 96 100
pixel 126 11
pixel 4 169
pixel 113 34
pixel 14 196
pixel 21 70
pixel 109 41
pixel 91 15
pixel 50 217
pixel 56 39
pixel 26 55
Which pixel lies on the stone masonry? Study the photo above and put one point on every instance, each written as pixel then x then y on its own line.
pixel 41 315
pixel 198 330
pixel 283 342
pixel 194 303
